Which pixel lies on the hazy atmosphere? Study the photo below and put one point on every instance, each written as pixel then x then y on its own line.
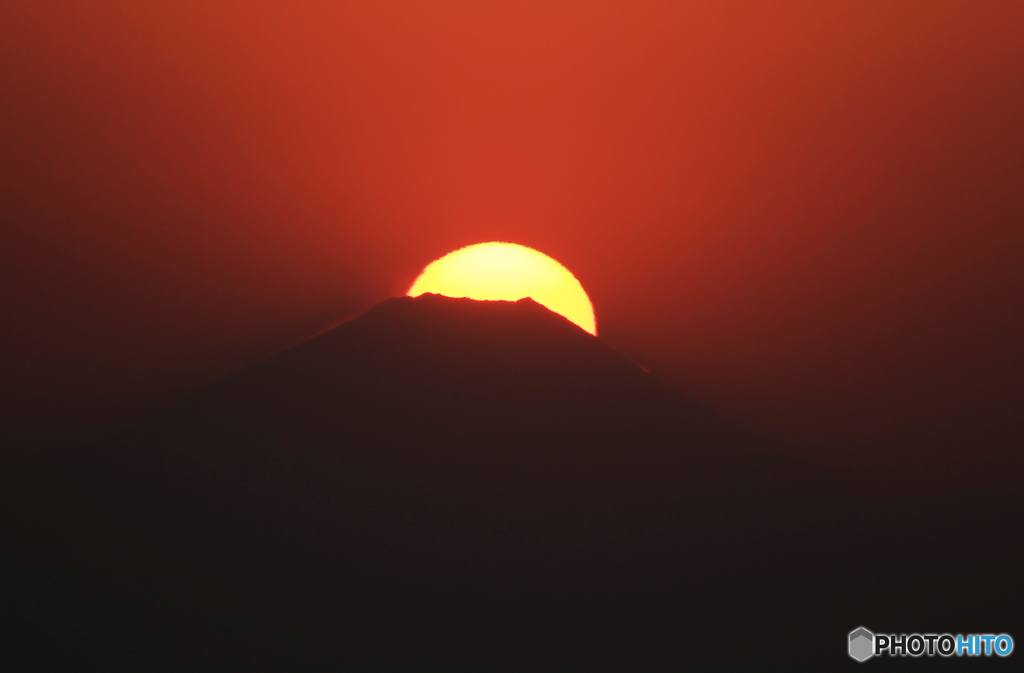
pixel 805 215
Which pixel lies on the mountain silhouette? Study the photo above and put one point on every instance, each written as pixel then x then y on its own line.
pixel 458 485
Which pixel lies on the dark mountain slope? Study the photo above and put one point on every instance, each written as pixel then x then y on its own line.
pixel 452 409
pixel 452 484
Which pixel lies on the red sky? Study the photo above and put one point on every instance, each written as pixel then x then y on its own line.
pixel 807 214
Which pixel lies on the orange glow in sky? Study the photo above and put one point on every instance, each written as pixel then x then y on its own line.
pixel 508 272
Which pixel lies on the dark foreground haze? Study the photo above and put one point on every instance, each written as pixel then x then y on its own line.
pixel 444 484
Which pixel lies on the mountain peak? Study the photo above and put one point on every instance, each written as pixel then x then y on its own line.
pixel 452 345
pixel 489 318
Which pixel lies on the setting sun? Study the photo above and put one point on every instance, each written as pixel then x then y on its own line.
pixel 508 272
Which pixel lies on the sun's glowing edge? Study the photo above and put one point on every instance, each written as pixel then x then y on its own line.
pixel 500 271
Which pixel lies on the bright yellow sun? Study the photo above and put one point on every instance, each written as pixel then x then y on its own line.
pixel 508 272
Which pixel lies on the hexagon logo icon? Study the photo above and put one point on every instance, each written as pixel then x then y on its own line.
pixel 862 644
